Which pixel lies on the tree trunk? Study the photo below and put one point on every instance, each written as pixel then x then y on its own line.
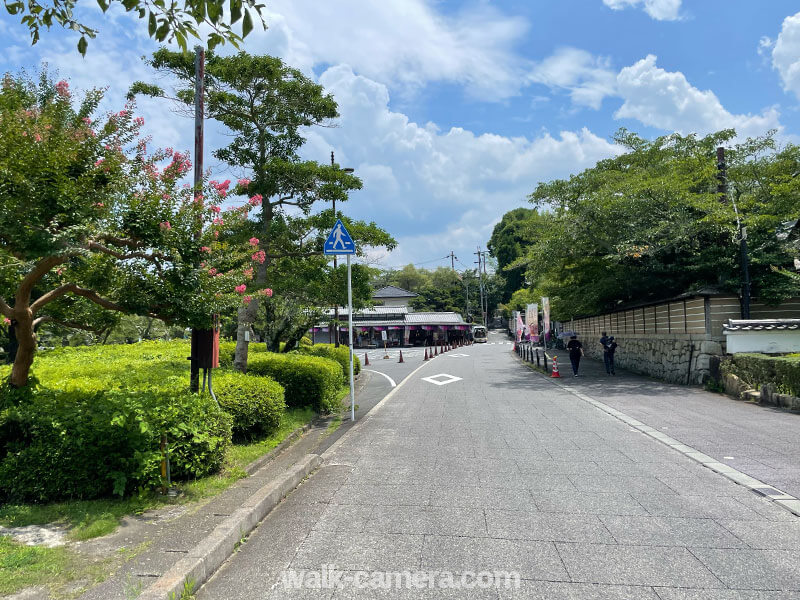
pixel 27 348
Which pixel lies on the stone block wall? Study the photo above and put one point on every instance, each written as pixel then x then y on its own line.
pixel 676 358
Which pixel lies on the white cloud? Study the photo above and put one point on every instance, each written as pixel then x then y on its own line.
pixel 588 78
pixel 666 100
pixel 786 54
pixel 401 43
pixel 661 10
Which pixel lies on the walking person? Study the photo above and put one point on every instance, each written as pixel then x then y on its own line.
pixel 604 340
pixel 575 352
pixel 608 355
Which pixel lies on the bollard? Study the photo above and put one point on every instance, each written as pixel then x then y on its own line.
pixel 537 358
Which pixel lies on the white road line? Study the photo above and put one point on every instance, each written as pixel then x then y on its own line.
pixel 391 381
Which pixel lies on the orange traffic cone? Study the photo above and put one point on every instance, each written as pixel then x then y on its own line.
pixel 426 354
pixel 401 357
pixel 555 372
pixel 366 360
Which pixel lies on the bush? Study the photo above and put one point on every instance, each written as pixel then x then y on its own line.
pixel 340 355
pixel 255 403
pixel 758 369
pixel 82 445
pixel 308 380
pixel 228 349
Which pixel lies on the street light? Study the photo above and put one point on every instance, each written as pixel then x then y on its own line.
pixel 335 263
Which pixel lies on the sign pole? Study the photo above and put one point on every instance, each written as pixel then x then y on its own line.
pixel 350 331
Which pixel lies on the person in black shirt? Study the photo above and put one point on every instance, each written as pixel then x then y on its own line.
pixel 575 352
pixel 608 355
pixel 604 340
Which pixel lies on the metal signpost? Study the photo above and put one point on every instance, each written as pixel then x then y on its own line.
pixel 340 242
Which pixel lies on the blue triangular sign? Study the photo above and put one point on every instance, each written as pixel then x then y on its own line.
pixel 339 241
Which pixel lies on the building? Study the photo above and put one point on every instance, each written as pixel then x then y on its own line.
pixel 392 316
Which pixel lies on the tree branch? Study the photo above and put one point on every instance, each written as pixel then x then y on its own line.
pixel 154 258
pixel 70 324
pixel 6 309
pixel 23 296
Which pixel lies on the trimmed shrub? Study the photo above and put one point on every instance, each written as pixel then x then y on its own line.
pixel 308 380
pixel 227 350
pixel 255 403
pixel 340 355
pixel 758 369
pixel 82 445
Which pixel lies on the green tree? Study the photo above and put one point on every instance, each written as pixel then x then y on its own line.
pixel 90 222
pixel 166 21
pixel 510 238
pixel 266 107
pixel 649 224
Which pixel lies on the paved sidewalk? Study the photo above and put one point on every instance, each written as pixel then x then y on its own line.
pixel 762 441
pixel 501 470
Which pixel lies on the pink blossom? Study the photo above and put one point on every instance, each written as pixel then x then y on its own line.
pixel 241 288
pixel 60 271
pixel 216 234
pixel 254 241
pixel 212 271
pixel 6 321
pixel 205 249
pixel 98 162
pixel 99 204
pixel 122 113
pixel 62 89
pixel 37 137
pixel 259 257
pixel 247 299
pixel 218 221
pixel 198 198
pixel 248 273
pixel 256 200
pixel 165 225
pixel 165 196
pixel 266 292
pixel 24 134
pixel 216 209
pixel 138 121
pixel 244 182
pixel 87 120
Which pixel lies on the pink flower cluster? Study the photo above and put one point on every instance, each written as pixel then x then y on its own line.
pixel 216 209
pixel 205 249
pixel 240 289
pixel 138 121
pixel 254 241
pixel 255 200
pixel 248 273
pixel 247 299
pixel 243 182
pixel 266 292
pixel 165 225
pixel 222 188
pixel 259 257
pixel 62 89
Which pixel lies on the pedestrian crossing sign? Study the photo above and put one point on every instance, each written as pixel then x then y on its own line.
pixel 339 241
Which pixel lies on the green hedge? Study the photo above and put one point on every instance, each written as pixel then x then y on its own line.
pixel 255 403
pixel 308 380
pixel 757 369
pixel 340 355
pixel 81 445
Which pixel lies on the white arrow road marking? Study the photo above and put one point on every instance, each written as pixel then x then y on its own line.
pixel 391 381
pixel 447 379
pixel 457 355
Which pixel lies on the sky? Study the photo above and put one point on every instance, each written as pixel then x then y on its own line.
pixel 452 112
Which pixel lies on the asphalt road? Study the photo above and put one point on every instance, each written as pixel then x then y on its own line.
pixel 476 464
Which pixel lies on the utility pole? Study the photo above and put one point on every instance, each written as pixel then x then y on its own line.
pixel 199 74
pixel 336 307
pixel 741 232
pixel 452 260
pixel 480 285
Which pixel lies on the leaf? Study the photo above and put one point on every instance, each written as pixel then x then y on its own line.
pixel 151 28
pixel 103 5
pixel 247 24
pixel 83 44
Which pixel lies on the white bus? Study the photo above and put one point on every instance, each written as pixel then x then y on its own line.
pixel 479 334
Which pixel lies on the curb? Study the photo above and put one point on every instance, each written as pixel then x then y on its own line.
pixel 779 497
pixel 205 558
pixel 273 454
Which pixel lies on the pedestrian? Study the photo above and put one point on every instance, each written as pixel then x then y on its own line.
pixel 604 340
pixel 608 355
pixel 575 352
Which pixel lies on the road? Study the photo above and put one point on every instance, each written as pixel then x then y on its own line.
pixel 477 464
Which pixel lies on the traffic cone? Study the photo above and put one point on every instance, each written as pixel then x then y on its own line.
pixel 426 354
pixel 436 350
pixel 366 359
pixel 401 357
pixel 555 372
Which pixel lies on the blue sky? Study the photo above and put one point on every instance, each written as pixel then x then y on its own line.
pixel 452 111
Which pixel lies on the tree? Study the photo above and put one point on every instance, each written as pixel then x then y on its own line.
pixel 91 223
pixel 266 106
pixel 166 21
pixel 650 224
pixel 516 230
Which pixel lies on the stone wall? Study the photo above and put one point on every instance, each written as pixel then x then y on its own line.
pixel 676 358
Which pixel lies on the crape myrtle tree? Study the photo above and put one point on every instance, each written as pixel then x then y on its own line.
pixel 92 225
pixel 265 105
pixel 650 224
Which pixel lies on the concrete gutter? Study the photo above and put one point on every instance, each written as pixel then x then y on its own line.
pixel 205 558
